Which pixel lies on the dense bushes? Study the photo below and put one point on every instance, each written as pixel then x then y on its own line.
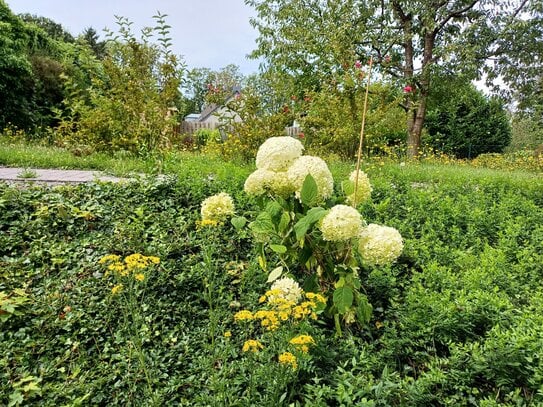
pixel 456 320
pixel 462 122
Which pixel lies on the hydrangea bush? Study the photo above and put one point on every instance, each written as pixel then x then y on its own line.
pixel 317 237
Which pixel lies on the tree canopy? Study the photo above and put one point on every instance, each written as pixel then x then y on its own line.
pixel 314 40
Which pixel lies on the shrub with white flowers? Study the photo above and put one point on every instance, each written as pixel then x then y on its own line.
pixel 317 168
pixel 302 229
pixel 278 153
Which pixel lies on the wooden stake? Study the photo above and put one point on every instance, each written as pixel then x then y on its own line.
pixel 361 142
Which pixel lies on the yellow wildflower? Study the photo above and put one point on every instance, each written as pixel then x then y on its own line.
pixel 243 315
pixel 109 258
pixel 268 319
pixel 117 289
pixel 316 297
pixel 252 345
pixel 287 358
pixel 140 276
pixel 301 342
pixel 227 334
pixel 206 223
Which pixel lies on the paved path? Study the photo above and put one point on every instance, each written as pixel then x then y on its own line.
pixel 16 175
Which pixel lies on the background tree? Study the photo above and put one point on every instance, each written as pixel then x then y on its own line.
pixel 31 63
pixel 203 85
pixel 91 37
pixel 463 122
pixel 132 94
pixel 408 40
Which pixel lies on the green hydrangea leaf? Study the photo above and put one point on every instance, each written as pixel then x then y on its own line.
pixel 309 192
pixel 304 224
pixel 238 222
pixel 343 298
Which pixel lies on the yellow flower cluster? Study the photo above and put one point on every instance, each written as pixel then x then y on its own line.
pixel 252 345
pixel 282 310
pixel 302 342
pixel 206 223
pixel 133 264
pixel 288 359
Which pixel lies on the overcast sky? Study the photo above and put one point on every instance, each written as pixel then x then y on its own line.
pixel 207 33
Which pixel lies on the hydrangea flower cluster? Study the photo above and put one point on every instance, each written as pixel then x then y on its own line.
pixel 286 288
pixel 278 153
pixel 361 184
pixel 341 223
pixel 217 207
pixel 380 244
pixel 281 170
pixel 318 169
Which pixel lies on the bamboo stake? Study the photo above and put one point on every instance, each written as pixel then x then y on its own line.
pixel 361 142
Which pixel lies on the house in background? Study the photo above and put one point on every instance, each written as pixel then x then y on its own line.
pixel 210 117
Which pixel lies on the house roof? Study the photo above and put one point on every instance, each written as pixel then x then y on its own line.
pixel 213 107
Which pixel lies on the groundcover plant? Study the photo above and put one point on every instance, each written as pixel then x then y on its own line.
pixel 244 309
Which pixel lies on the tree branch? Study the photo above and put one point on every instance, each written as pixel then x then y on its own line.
pixel 452 14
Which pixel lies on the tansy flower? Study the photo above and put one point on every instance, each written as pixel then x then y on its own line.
pixel 117 289
pixel 243 315
pixel 140 276
pixel 341 223
pixel 228 334
pixel 109 258
pixel 318 169
pixel 252 345
pixel 217 207
pixel 302 342
pixel 380 244
pixel 278 153
pixel 288 359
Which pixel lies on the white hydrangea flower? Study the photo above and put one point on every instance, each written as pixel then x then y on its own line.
pixel 278 153
pixel 363 191
pixel 280 184
pixel 380 244
pixel 217 207
pixel 258 182
pixel 287 289
pixel 318 169
pixel 341 223
pixel 262 181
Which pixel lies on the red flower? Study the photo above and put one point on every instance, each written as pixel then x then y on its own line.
pixel 358 64
pixel 408 89
pixel 293 97
pixel 301 135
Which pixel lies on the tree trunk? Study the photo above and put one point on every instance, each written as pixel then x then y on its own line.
pixel 415 124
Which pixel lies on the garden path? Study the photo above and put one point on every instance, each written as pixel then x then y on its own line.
pixel 53 177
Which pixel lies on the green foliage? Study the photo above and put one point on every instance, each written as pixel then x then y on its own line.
pixel 332 118
pixel 463 122
pixel 311 42
pixel 132 95
pixel 247 124
pixel 456 321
